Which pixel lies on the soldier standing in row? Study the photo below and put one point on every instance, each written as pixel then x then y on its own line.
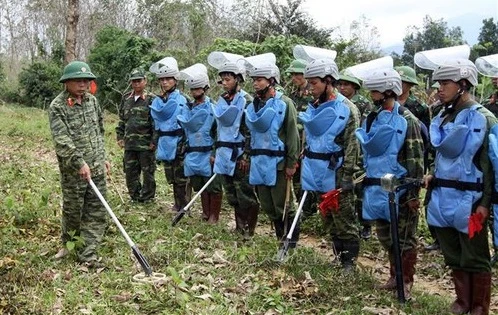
pixel 271 119
pixel 232 148
pixel 462 185
pixel 299 92
pixel 349 86
pixel 392 143
pixel 492 102
pixel 331 155
pixel 171 140
pixel 135 133
pixel 77 127
pixel 408 100
pixel 197 120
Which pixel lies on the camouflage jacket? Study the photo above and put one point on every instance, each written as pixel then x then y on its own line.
pixel 78 133
pixel 136 126
pixel 363 105
pixel 418 108
pixel 301 98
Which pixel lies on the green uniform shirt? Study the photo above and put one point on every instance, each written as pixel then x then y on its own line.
pixel 491 103
pixel 136 126
pixel 363 104
pixel 418 108
pixel 78 133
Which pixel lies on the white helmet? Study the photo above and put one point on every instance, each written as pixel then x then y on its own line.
pixel 232 67
pixel 267 71
pixel 384 80
pixel 320 68
pixel 456 70
pixel 195 76
pixel 167 71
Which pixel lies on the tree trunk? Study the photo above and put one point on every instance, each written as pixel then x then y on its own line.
pixel 71 25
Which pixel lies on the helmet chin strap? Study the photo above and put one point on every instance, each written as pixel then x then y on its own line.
pixel 170 90
pixel 449 107
pixel 381 101
pixel 262 93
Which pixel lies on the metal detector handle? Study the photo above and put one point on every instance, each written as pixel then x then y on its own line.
pixel 182 212
pixel 396 247
pixel 298 213
pixel 114 218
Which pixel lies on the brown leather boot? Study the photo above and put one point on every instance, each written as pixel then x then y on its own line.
pixel 463 290
pixel 252 219
pixel 481 293
pixel 205 205
pixel 214 207
pixel 409 260
pixel 391 282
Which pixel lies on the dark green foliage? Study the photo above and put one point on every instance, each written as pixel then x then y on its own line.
pixel 39 83
pixel 116 52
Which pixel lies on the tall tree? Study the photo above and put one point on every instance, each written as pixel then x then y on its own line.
pixel 433 34
pixel 72 18
pixel 488 39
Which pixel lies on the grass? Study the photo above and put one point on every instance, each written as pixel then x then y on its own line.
pixel 209 269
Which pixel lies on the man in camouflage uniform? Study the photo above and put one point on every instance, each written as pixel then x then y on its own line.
pixel 408 100
pixel 273 162
pixel 392 133
pixel 135 133
pixel 492 102
pixel 349 86
pixel 76 124
pixel 299 93
pixel 171 139
pixel 331 156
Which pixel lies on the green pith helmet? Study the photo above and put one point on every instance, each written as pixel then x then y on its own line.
pixel 407 74
pixel 137 74
pixel 77 70
pixel 348 78
pixel 297 66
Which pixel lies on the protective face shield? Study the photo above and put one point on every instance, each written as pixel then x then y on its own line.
pixel 165 68
pixel 363 70
pixel 432 59
pixel 321 68
pixel 195 76
pixel 384 80
pixel 488 65
pixel 456 70
pixel 309 53
pixel 227 63
pixel 263 65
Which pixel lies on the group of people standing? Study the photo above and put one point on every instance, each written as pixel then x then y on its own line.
pixel 320 136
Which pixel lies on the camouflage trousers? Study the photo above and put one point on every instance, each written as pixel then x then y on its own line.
pixel 462 253
pixel 310 205
pixel 83 213
pixel 175 176
pixel 343 225
pixel 136 162
pixel 215 187
pixel 239 193
pixel 272 198
pixel 407 229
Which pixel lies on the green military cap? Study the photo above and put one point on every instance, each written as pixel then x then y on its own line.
pixel 407 74
pixel 297 66
pixel 137 74
pixel 345 77
pixel 435 85
pixel 77 70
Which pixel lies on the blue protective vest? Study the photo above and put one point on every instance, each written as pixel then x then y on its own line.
pixel 322 156
pixel 381 145
pixel 170 133
pixel 230 142
pixel 197 123
pixel 493 156
pixel 456 144
pixel 267 150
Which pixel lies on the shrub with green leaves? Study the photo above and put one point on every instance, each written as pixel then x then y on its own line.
pixel 39 83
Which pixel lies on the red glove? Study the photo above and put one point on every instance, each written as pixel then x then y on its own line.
pixel 475 225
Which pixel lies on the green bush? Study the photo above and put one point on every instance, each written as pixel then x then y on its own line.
pixel 39 83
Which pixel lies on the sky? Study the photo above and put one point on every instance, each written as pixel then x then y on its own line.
pixel 392 17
